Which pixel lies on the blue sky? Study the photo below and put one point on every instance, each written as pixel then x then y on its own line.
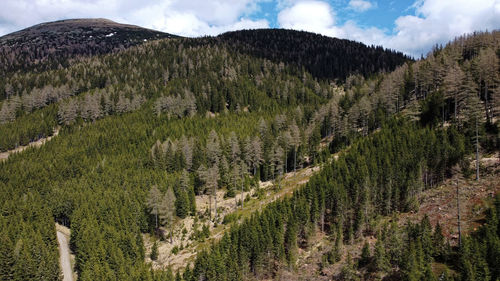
pixel 381 14
pixel 410 26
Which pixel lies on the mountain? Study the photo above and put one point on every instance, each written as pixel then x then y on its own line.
pixel 47 45
pixel 229 159
pixel 322 56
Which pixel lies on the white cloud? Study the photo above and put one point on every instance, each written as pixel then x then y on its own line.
pixel 431 22
pixel 434 22
pixel 313 16
pixel 438 21
pixel 360 5
pixel 187 18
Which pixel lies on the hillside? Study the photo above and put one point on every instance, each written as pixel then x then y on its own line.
pixel 322 56
pixel 159 144
pixel 50 45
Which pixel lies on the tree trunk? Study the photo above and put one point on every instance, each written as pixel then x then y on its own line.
pixel 215 202
pixel 235 197
pixel 455 117
pixel 156 219
pixel 486 102
pixel 210 207
pixel 323 220
pixel 477 152
pixel 458 219
pixel 286 161
pixel 295 159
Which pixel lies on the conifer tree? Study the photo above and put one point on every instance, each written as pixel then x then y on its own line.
pixel 365 254
pixel 154 251
pixel 380 257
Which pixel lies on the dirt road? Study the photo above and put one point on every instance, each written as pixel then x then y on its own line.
pixel 64 256
pixel 37 143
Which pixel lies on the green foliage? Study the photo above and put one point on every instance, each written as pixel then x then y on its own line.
pixel 365 255
pixel 232 217
pixel 95 176
pixel 432 110
pixel 28 128
pixel 480 253
pixel 175 250
pixel 288 221
pixel 154 251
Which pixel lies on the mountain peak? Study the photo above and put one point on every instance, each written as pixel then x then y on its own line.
pixel 60 40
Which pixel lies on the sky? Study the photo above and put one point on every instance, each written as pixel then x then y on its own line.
pixel 410 26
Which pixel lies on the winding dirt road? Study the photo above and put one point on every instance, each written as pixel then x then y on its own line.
pixel 64 256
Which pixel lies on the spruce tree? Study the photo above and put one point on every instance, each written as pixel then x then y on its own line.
pixel 154 251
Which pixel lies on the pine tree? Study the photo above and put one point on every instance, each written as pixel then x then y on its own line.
pixel 365 254
pixel 438 241
pixel 291 242
pixel 428 274
pixel 6 258
pixel 348 271
pixel 154 251
pixel 380 257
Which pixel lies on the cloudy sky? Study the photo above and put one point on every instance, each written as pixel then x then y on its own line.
pixel 411 26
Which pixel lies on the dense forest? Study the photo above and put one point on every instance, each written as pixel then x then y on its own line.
pixel 145 131
pixel 322 56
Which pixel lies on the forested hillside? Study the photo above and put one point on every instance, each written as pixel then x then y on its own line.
pixel 147 132
pixel 53 45
pixel 322 56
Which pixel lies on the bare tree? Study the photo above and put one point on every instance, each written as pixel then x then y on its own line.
pixel 213 148
pixel 68 112
pixel 277 160
pixel 167 210
pixel 7 112
pixel 487 65
pixel 211 178
pixel 187 151
pixel 123 104
pixel 262 127
pixel 235 157
pixel 473 111
pixel 154 201
pixel 256 154
pixel 295 142
pixel 453 82
pixel 90 109
pixel 285 143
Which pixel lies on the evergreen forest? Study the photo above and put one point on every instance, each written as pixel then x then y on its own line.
pixel 142 138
